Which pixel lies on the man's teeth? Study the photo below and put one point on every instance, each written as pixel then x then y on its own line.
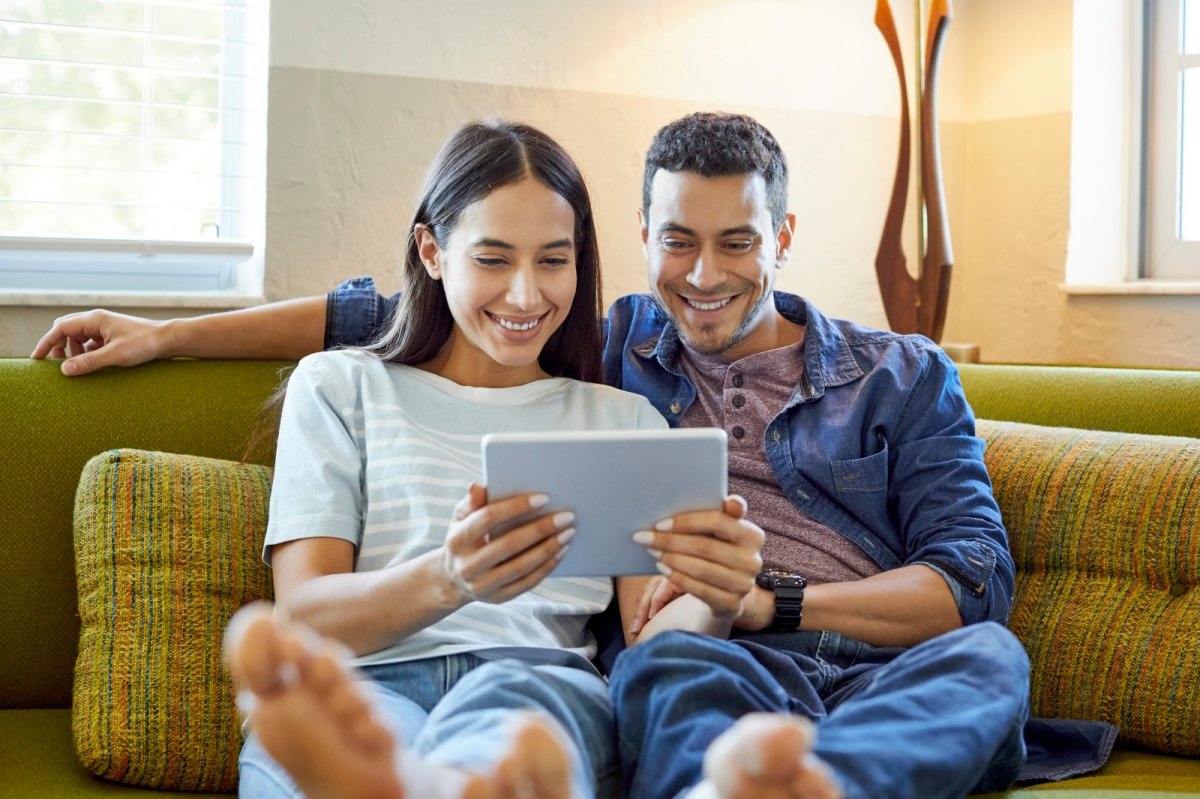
pixel 709 306
pixel 514 326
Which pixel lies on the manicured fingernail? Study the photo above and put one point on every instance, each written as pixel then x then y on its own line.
pixel 566 535
pixel 563 519
pixel 561 553
pixel 538 500
pixel 69 367
pixel 655 553
pixel 665 524
pixel 643 537
pixel 662 567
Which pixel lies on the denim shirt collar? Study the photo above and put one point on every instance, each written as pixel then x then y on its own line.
pixel 828 360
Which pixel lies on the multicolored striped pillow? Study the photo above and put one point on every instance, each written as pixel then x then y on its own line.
pixel 1105 531
pixel 167 547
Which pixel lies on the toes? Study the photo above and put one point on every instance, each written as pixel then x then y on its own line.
pixel 254 651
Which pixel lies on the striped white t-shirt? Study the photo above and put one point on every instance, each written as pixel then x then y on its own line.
pixel 378 454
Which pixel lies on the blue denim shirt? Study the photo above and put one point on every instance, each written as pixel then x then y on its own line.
pixel 877 442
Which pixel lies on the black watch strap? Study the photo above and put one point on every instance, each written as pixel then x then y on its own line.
pixel 788 588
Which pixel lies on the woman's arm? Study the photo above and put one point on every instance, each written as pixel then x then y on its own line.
pixel 315 583
pixel 711 557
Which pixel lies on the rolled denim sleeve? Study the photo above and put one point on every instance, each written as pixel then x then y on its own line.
pixel 943 496
pixel 356 313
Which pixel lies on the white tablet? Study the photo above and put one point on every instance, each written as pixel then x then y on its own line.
pixel 616 482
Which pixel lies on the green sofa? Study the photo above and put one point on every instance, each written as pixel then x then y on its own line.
pixel 53 425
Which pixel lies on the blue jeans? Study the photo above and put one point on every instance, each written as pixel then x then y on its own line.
pixel 453 710
pixel 942 719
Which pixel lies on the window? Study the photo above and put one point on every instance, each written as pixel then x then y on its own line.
pixel 132 145
pixel 1172 224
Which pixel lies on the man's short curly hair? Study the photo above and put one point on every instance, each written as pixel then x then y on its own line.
pixel 717 144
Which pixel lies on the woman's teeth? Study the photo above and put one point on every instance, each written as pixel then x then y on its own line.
pixel 514 326
pixel 709 306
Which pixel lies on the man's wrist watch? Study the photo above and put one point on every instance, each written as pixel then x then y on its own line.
pixel 788 588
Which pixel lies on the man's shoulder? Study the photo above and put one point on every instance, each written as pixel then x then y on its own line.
pixel 635 312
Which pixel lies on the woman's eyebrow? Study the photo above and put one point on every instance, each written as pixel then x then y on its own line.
pixel 557 244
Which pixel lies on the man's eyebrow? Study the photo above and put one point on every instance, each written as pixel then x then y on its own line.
pixel 741 230
pixel 557 244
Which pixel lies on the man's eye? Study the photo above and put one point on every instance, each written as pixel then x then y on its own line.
pixel 675 244
pixel 740 245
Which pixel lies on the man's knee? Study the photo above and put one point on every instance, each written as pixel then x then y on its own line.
pixel 995 651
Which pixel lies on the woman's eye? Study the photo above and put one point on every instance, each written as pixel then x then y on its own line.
pixel 556 262
pixel 482 261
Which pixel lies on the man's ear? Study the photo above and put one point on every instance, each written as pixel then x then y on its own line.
pixel 783 240
pixel 428 250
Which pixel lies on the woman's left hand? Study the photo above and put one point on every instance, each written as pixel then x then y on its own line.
pixel 712 555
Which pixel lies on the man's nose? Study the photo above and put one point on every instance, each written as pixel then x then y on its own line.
pixel 706 273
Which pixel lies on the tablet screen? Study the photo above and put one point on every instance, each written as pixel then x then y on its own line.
pixel 615 482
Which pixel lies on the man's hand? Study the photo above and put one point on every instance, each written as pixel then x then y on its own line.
pixel 712 555
pixel 91 340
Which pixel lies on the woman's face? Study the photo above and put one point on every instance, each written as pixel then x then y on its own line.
pixel 508 269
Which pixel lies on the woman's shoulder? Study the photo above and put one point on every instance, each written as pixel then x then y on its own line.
pixel 624 407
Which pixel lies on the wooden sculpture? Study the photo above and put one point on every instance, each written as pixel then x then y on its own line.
pixel 917 305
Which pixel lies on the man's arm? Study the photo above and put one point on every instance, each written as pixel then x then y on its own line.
pixel 352 314
pixel 900 607
pixel 91 340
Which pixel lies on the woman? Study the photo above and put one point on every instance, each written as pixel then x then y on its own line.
pixel 473 656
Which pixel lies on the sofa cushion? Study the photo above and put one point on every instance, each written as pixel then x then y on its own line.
pixel 167 547
pixel 1105 532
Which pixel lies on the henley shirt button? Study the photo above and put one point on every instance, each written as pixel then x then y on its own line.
pixel 737 381
pixel 738 400
pixel 738 432
pixel 676 408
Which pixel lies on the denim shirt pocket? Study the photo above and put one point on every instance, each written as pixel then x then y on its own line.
pixel 861 475
pixel 862 487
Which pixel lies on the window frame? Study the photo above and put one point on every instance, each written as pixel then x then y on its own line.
pixel 216 272
pixel 1165 254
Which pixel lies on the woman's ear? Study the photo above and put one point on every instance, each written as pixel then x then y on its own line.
pixel 428 249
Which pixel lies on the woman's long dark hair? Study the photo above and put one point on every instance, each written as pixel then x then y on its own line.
pixel 478 159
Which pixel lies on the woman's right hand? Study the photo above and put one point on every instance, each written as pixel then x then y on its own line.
pixel 483 564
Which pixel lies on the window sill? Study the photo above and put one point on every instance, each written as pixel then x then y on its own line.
pixel 1135 287
pixel 208 300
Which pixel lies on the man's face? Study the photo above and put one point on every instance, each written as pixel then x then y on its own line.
pixel 712 254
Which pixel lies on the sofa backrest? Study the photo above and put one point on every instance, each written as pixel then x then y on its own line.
pixel 51 426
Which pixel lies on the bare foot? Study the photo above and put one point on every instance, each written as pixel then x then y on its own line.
pixel 537 766
pixel 767 756
pixel 308 712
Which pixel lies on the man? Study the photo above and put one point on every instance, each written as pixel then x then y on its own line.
pixel 879 616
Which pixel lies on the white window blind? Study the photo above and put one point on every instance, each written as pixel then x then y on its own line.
pixel 1173 141
pixel 131 130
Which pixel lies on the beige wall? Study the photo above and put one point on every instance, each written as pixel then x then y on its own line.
pixel 363 92
pixel 1012 228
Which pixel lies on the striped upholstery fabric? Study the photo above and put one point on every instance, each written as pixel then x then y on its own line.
pixel 167 548
pixel 1105 531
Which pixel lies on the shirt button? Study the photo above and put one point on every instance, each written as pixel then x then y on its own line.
pixel 738 400
pixel 737 381
pixel 676 408
pixel 738 432
pixel 775 436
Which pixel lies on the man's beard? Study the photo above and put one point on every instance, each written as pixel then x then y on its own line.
pixel 739 334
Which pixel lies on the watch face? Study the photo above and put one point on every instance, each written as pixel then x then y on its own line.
pixel 777 578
